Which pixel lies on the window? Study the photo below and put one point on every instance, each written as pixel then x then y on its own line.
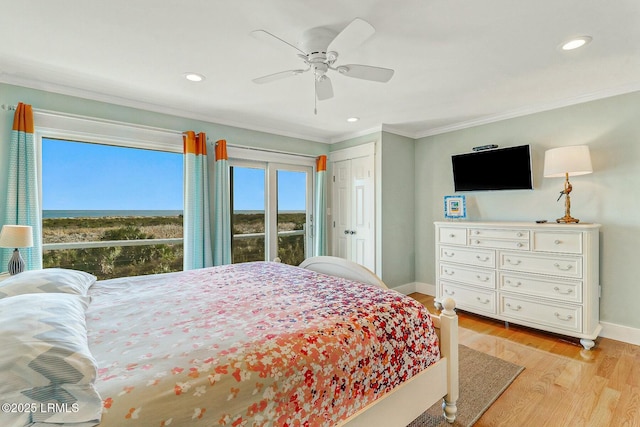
pixel 271 204
pixel 111 205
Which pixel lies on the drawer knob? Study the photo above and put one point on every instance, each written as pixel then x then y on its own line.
pixel 477 242
pixel 485 259
pixel 452 235
pixel 557 242
pixel 563 318
pixel 567 292
pixel 482 279
pixel 449 254
pixel 510 261
pixel 519 244
pixel 559 267
pixel 516 308
pixel 476 232
pixel 449 272
pixel 519 234
pixel 515 285
pixel 448 292
pixel 483 301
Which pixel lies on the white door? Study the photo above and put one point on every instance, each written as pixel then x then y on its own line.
pixel 362 206
pixel 353 206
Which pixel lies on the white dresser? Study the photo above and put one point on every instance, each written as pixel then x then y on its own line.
pixel 544 276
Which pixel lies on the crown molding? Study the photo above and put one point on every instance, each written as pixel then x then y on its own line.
pixel 357 134
pixel 532 109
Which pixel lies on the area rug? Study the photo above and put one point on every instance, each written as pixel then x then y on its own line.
pixel 483 378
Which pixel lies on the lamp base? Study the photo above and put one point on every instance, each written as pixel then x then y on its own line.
pixel 568 219
pixel 16 263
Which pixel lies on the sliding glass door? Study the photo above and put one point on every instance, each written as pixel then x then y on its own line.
pixel 272 211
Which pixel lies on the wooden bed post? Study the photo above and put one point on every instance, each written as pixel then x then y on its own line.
pixel 449 349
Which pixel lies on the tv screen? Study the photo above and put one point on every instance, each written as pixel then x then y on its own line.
pixel 498 169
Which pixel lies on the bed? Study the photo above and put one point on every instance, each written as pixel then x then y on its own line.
pixel 253 344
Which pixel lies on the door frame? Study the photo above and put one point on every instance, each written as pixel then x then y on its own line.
pixel 371 148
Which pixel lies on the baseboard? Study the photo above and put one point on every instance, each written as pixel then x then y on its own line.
pixel 620 333
pixel 609 330
pixel 409 288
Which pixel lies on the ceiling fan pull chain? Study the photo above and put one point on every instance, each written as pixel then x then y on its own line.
pixel 315 99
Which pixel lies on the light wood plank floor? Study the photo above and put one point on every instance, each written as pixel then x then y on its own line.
pixel 562 384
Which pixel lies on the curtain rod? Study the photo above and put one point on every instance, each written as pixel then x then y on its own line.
pixel 267 150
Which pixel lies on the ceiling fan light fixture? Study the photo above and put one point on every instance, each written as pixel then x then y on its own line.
pixel 575 43
pixel 194 77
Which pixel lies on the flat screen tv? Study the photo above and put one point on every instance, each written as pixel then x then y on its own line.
pixel 498 169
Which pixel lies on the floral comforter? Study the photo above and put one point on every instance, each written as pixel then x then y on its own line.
pixel 255 344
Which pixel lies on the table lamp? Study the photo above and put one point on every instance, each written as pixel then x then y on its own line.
pixel 16 236
pixel 564 162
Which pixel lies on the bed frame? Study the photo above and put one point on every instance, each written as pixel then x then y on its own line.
pixel 439 381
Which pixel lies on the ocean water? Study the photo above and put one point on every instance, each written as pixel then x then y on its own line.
pixel 103 213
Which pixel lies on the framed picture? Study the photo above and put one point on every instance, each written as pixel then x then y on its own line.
pixel 455 207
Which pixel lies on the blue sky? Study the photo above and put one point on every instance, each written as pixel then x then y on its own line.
pixel 82 176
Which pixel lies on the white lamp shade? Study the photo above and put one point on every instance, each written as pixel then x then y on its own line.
pixel 16 236
pixel 574 160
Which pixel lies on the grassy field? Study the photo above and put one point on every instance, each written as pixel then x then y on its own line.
pixel 119 261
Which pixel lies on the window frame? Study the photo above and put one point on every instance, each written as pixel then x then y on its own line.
pixel 69 127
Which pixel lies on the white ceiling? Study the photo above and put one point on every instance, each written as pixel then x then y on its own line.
pixel 457 62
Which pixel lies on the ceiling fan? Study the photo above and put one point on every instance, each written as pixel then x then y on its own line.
pixel 319 49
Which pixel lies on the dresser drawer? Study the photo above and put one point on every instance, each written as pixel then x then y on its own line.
pixel 561 290
pixel 478 257
pixel 472 276
pixel 560 316
pixel 559 266
pixel 499 244
pixel 547 241
pixel 455 236
pixel 490 233
pixel 476 300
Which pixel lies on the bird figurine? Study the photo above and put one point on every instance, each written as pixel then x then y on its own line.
pixel 566 191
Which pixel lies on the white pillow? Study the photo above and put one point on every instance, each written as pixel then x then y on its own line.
pixel 45 359
pixel 48 280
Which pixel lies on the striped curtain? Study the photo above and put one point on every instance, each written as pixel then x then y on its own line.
pixel 23 205
pixel 197 228
pixel 320 229
pixel 222 207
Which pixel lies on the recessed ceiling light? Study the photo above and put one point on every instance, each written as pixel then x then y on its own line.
pixel 194 77
pixel 575 43
pixel 353 119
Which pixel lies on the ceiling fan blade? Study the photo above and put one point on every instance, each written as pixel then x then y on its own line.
pixel 277 76
pixel 366 72
pixel 273 40
pixel 352 36
pixel 324 88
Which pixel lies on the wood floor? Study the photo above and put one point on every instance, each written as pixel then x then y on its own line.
pixel 562 384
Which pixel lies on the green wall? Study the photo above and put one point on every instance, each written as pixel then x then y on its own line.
pixel 397 209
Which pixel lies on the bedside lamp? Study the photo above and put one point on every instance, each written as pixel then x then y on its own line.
pixel 16 236
pixel 564 162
